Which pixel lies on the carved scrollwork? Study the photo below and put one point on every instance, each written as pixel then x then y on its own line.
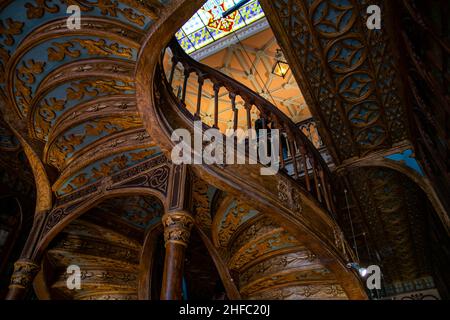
pixel 11 29
pixel 303 292
pixel 24 77
pixel 37 11
pixel 158 179
pixel 289 196
pixel 54 218
pixel 68 144
pixel 93 47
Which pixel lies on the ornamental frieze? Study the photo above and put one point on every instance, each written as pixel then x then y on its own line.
pixel 51 106
pixel 302 292
pixel 59 50
pixel 257 228
pixel 294 277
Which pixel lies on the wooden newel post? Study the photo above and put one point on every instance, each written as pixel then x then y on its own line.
pixel 177 230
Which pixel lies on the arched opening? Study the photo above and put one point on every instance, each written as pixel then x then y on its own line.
pixel 106 243
pixel 389 221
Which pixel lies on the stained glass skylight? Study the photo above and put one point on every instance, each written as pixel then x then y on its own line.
pixel 207 25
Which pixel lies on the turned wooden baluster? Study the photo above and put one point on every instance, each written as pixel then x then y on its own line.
pixel 275 125
pixel 232 96
pixel 199 97
pixel 172 71
pixel 330 193
pixel 324 188
pixel 187 73
pixel 216 105
pixel 293 135
pixel 282 163
pixel 292 149
pixel 305 166
pixel 316 180
pixel 248 108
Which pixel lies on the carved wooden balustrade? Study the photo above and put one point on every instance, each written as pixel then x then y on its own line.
pixel 298 156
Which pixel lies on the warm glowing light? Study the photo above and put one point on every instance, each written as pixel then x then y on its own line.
pixel 280 68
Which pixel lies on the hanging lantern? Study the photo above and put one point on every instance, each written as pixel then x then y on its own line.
pixel 281 67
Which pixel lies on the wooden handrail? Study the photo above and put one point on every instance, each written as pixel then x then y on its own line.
pixel 307 165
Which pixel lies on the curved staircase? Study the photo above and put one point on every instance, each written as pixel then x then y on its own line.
pixel 266 260
pixel 298 198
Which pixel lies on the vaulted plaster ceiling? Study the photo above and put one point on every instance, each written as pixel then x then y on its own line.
pixel 75 92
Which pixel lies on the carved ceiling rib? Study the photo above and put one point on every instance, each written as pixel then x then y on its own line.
pixel 76 87
pixel 87 68
pixel 66 147
pixel 121 142
pixel 114 104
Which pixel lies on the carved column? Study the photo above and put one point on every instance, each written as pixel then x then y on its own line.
pixel 177 230
pixel 24 272
pixel 177 222
pixel 26 268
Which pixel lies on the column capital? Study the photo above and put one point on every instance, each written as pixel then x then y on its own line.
pixel 177 227
pixel 24 272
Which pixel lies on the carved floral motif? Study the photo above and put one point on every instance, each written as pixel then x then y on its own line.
pixel 46 112
pixel 232 221
pixel 293 260
pixel 288 195
pixel 11 29
pixel 93 47
pixel 25 75
pixel 37 11
pixel 302 292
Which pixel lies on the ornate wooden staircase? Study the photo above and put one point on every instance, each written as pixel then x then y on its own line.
pixel 298 198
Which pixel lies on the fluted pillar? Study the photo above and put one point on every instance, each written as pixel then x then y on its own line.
pixel 22 278
pixel 177 230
